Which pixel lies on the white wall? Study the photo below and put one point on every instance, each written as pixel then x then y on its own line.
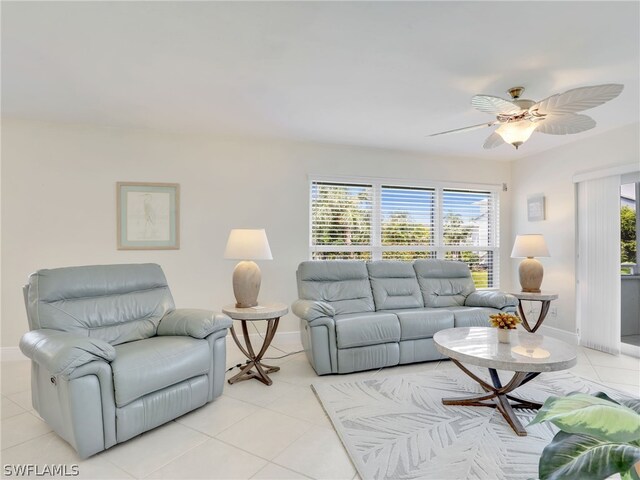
pixel 58 203
pixel 551 173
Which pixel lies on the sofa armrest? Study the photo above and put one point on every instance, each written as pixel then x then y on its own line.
pixel 192 322
pixel 311 310
pixel 62 352
pixel 492 299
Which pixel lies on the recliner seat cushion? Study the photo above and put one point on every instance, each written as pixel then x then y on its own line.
pixel 424 322
pixel 394 285
pixel 472 316
pixel 146 366
pixel 362 329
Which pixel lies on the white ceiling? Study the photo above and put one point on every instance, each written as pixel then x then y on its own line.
pixel 381 74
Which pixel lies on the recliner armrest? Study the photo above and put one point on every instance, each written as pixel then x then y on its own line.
pixel 192 322
pixel 311 310
pixel 492 299
pixel 62 352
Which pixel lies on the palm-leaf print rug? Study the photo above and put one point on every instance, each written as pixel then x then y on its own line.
pixel 397 428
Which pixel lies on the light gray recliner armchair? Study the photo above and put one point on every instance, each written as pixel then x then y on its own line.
pixel 111 356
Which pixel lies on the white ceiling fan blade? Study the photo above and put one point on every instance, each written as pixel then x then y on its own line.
pixel 494 140
pixel 465 129
pixel 565 124
pixel 494 105
pixel 577 99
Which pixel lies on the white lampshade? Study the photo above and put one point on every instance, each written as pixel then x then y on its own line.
pixel 529 245
pixel 248 244
pixel 516 133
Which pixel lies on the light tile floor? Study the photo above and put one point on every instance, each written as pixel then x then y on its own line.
pixel 251 431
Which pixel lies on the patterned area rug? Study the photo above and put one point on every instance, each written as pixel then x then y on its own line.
pixel 397 428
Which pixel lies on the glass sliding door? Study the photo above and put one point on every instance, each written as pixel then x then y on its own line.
pixel 629 269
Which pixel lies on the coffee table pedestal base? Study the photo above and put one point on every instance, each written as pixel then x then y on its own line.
pixel 497 396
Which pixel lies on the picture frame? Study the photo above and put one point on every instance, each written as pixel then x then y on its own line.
pixel 148 216
pixel 535 207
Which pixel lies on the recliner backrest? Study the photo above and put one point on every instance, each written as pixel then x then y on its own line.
pixel 344 284
pixel 394 285
pixel 444 283
pixel 115 303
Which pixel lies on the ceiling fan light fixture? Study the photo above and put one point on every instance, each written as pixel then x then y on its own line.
pixel 516 133
pixel 519 117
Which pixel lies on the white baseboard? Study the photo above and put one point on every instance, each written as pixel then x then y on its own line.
pixel 11 354
pixel 631 350
pixel 570 337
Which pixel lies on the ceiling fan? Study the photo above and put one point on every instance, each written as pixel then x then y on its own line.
pixel 556 115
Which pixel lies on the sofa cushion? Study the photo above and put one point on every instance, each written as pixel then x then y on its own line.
pixel 444 283
pixel 149 365
pixel 423 322
pixel 472 316
pixel 343 284
pixel 394 285
pixel 361 329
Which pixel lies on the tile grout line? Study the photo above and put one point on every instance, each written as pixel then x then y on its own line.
pixel 164 464
pixel 31 439
pixel 282 466
pixel 259 456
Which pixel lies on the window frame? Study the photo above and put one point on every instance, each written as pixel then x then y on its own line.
pixel 439 247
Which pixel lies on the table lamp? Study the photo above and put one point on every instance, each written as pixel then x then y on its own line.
pixel 247 245
pixel 529 246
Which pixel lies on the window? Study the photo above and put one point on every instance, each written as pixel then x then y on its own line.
pixel 376 219
pixel 341 221
pixel 628 227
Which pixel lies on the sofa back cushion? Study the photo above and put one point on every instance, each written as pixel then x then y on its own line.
pixel 115 303
pixel 344 284
pixel 394 285
pixel 444 283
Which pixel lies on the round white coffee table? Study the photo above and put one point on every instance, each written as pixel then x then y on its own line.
pixel 528 355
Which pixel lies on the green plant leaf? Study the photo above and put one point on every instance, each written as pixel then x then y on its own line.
pixel 602 395
pixel 580 457
pixel 586 414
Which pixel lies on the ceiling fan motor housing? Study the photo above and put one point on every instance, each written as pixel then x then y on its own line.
pixel 515 92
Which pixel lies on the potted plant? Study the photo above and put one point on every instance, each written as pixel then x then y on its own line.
pixel 504 322
pixel 598 437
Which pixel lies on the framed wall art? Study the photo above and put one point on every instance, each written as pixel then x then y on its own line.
pixel 148 216
pixel 535 207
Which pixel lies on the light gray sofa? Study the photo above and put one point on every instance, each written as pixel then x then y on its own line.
pixel 112 357
pixel 357 315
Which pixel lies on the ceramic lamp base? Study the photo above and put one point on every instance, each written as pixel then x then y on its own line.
pixel 531 272
pixel 246 284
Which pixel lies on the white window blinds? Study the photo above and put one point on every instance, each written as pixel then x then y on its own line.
pixel 341 221
pixel 469 232
pixel 406 222
pixel 381 220
pixel 598 292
